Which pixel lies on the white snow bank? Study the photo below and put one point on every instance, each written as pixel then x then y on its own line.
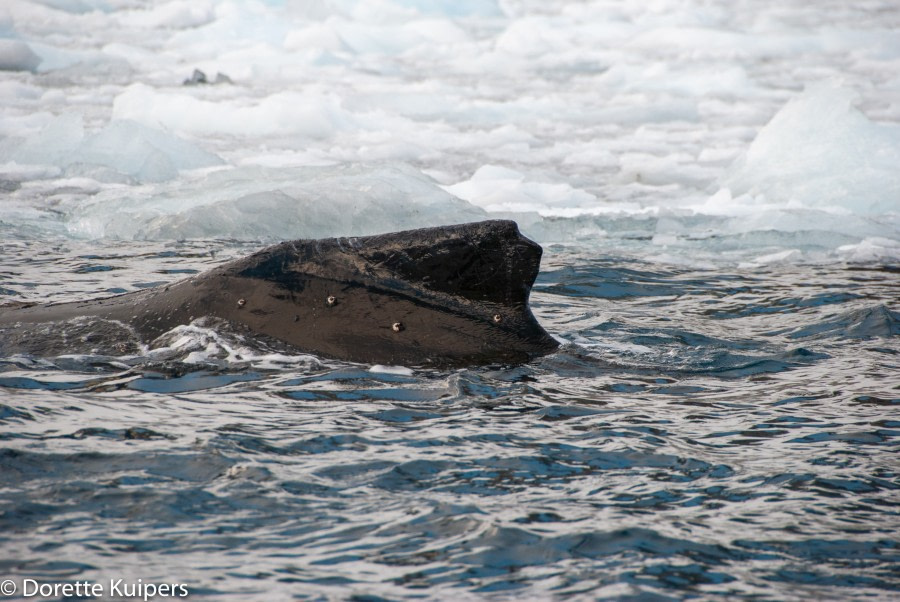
pixel 126 147
pixel 16 55
pixel 821 152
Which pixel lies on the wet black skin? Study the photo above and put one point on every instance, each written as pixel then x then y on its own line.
pixel 447 296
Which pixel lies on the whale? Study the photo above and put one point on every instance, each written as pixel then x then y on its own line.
pixel 452 295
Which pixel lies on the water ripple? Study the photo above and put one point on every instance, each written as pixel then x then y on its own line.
pixel 700 434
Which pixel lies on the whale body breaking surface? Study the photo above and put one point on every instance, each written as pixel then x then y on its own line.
pixel 450 295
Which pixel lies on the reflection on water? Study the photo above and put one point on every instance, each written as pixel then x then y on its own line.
pixel 713 433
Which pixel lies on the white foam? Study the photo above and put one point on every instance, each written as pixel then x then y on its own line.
pixel 211 343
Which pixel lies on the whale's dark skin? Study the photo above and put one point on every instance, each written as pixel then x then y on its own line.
pixel 445 296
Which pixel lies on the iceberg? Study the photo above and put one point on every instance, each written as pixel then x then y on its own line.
pixel 821 152
pixel 126 147
pixel 16 55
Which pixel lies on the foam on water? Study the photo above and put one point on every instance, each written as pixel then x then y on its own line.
pixel 208 344
pixel 86 344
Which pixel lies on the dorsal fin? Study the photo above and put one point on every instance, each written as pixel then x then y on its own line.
pixel 486 261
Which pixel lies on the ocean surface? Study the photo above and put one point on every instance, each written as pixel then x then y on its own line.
pixel 716 189
pixel 719 434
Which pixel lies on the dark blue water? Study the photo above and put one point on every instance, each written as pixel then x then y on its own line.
pixel 711 434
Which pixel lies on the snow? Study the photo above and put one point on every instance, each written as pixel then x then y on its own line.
pixel 691 130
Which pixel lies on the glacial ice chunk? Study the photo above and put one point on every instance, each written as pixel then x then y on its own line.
pixel 54 144
pixel 360 9
pixel 872 249
pixel 141 152
pixel 496 188
pixel 821 152
pixel 16 55
pixel 453 8
pixel 178 14
pixel 148 154
pixel 281 113
pixel 258 203
pixel 75 7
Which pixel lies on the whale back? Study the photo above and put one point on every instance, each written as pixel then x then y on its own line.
pixel 447 295
pixel 451 295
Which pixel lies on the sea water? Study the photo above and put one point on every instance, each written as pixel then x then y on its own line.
pixel 716 189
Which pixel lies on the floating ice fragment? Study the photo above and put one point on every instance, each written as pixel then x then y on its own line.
pixel 786 256
pixel 281 113
pixel 496 188
pixel 129 148
pixel 394 39
pixel 871 250
pixel 75 7
pixel 453 8
pixel 399 370
pixel 54 144
pixel 821 151
pixel 275 203
pixel 16 55
pixel 146 153
pixel 178 14
pixel 319 36
pixel 531 37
